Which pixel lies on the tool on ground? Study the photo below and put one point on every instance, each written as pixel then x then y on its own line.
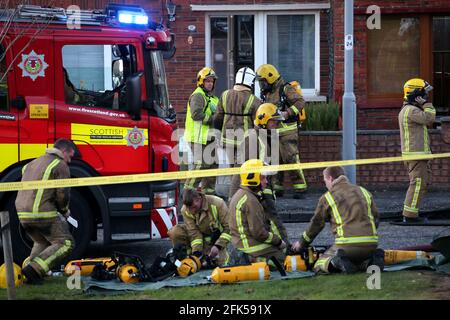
pixel 304 260
pixel 86 266
pixel 397 256
pixel 253 271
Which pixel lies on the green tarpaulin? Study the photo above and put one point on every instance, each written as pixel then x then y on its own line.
pixel 438 263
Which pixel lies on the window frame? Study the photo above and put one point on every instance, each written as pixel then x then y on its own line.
pixel 260 36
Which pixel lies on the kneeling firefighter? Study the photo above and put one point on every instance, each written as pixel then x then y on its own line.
pixel 205 231
pixel 250 225
pixel 353 216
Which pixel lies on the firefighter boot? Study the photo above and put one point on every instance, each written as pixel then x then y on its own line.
pixel 342 263
pixel 378 258
pixel 31 276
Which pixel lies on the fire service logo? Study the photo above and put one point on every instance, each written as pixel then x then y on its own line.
pixel 135 137
pixel 33 65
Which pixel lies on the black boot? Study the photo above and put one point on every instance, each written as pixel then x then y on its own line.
pixel 378 258
pixel 342 263
pixel 31 275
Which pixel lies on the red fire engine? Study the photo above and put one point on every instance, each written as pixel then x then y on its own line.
pixel 96 77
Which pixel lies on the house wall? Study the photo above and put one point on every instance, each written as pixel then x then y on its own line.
pixel 326 146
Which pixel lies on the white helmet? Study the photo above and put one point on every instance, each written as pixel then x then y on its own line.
pixel 245 76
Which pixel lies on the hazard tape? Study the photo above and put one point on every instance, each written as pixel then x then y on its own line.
pixel 180 175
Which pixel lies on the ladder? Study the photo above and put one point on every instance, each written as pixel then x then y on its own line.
pixel 56 15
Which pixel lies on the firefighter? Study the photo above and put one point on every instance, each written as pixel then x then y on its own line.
pixel 414 118
pixel 201 107
pixel 251 228
pixel 266 122
pixel 234 116
pixel 43 212
pixel 276 91
pixel 206 228
pixel 353 215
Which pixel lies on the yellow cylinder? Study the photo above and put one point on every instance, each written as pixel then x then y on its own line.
pixel 397 256
pixel 86 266
pixel 294 263
pixel 254 271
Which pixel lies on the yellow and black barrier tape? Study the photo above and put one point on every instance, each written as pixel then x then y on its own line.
pixel 180 175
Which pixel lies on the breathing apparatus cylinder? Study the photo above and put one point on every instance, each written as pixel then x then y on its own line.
pixel 396 256
pixel 294 263
pixel 254 271
pixel 86 266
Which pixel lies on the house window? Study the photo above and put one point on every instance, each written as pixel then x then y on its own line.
pixel 290 41
pixel 393 55
pixel 291 47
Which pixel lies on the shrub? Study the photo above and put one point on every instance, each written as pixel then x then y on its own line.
pixel 321 116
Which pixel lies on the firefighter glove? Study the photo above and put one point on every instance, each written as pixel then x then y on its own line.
pixel 214 251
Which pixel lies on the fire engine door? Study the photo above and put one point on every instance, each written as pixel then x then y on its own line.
pixel 92 105
pixel 8 115
pixel 34 81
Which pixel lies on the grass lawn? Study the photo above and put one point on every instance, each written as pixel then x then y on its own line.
pixel 404 285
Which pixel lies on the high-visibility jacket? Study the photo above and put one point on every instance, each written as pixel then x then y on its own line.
pixel 200 226
pixel 44 203
pixel 294 104
pixel 351 211
pixel 250 226
pixel 413 122
pixel 200 110
pixel 236 110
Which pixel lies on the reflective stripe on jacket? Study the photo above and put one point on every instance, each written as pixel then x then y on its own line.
pixel 212 216
pixel 413 123
pixel 351 211
pixel 199 116
pixel 250 226
pixel 44 203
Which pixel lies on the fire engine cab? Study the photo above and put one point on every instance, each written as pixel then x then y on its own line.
pixel 96 77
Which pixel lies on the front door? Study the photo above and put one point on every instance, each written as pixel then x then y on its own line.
pixel 232 47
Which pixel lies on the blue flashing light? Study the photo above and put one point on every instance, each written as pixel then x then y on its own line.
pixel 129 17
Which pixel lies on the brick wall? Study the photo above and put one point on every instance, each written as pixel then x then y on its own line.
pixel 326 146
pixel 371 114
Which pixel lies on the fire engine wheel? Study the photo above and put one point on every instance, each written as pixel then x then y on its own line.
pixel 80 211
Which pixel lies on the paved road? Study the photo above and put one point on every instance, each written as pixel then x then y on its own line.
pixel 391 237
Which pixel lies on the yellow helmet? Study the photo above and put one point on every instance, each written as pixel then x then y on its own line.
pixel 265 112
pixel 205 73
pixel 188 266
pixel 128 273
pixel 416 84
pixel 18 276
pixel 267 72
pixel 252 179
